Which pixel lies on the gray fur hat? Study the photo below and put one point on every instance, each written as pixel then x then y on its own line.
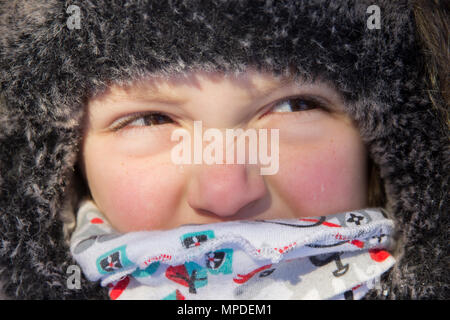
pixel 49 68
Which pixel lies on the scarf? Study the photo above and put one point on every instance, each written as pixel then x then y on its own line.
pixel 340 256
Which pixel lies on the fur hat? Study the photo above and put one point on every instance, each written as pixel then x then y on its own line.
pixel 49 68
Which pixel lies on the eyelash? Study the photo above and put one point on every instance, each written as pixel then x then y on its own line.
pixel 309 100
pixel 123 122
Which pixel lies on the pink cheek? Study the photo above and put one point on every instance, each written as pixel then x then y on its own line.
pixel 318 183
pixel 141 199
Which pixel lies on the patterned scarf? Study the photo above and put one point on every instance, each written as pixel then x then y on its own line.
pixel 339 256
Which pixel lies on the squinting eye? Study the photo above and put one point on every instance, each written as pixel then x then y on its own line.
pixel 296 104
pixel 141 120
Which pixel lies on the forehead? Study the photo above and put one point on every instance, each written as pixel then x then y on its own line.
pixel 176 88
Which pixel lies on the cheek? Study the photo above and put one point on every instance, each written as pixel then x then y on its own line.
pixel 136 194
pixel 324 178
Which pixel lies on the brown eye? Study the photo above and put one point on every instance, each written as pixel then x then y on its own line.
pixel 142 120
pixel 296 104
pixel 151 119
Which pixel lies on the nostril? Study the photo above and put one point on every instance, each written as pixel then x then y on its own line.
pixel 234 214
pixel 248 206
pixel 204 212
pixel 225 191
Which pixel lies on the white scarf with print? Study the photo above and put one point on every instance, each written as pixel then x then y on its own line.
pixel 339 256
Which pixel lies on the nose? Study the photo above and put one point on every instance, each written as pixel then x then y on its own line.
pixel 225 189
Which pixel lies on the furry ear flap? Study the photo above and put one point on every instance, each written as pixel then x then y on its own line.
pixel 75 192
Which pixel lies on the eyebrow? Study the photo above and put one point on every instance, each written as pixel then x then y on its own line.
pixel 151 95
pixel 267 91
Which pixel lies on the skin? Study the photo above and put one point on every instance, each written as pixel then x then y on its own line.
pixel 135 183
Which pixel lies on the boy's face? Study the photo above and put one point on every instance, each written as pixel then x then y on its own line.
pixel 134 181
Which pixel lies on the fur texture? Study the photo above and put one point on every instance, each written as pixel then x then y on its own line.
pixel 48 71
